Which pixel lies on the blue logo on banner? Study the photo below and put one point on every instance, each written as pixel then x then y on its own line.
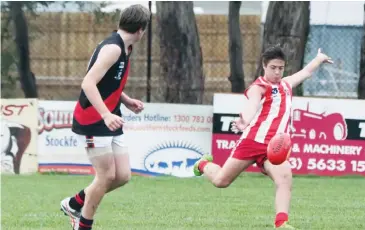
pixel 173 158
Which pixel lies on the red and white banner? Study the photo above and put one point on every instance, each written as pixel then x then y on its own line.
pixel 328 135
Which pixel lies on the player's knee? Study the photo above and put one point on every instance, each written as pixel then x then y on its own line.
pixel 107 178
pixel 221 183
pixel 122 178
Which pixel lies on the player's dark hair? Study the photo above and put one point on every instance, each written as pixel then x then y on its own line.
pixel 133 18
pixel 274 52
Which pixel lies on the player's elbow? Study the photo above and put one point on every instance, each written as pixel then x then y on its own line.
pixel 87 84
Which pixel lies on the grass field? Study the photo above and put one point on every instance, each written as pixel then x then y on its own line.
pixel 32 203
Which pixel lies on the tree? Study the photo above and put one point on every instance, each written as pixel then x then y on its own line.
pixel 15 54
pixel 27 79
pixel 287 24
pixel 235 48
pixel 15 20
pixel 8 60
pixel 180 53
pixel 361 86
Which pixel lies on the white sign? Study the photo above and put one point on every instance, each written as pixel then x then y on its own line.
pixel 57 144
pixel 163 139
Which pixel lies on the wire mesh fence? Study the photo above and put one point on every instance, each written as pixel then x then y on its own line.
pixel 343 45
pixel 62 43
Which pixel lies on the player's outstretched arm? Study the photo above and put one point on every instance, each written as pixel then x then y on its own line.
pixel 254 96
pixel 107 57
pixel 297 78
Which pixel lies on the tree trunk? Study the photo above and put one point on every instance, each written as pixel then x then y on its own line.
pixel 287 24
pixel 180 53
pixel 361 86
pixel 27 79
pixel 235 48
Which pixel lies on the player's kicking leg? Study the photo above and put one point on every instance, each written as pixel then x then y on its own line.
pixel 282 177
pixel 242 156
pixel 221 177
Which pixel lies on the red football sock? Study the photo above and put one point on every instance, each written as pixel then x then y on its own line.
pixel 202 165
pixel 281 217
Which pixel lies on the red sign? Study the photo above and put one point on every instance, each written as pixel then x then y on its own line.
pixel 322 144
pixel 329 158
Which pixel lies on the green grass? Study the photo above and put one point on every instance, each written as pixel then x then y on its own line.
pixel 32 203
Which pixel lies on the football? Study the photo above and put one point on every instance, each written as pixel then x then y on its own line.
pixel 279 148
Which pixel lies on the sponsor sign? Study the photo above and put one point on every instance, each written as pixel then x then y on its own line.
pixel 328 135
pixel 169 138
pixel 59 148
pixel 19 136
pixel 165 139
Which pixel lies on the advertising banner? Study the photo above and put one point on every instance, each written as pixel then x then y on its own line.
pixel 59 150
pixel 19 136
pixel 165 139
pixel 328 135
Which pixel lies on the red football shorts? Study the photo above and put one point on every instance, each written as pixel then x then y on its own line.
pixel 247 149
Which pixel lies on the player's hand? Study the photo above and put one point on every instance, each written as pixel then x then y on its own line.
pixel 323 57
pixel 238 125
pixel 134 105
pixel 112 121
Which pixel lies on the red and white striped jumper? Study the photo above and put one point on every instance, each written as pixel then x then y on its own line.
pixel 272 117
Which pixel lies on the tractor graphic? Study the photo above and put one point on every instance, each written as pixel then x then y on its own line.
pixel 314 126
